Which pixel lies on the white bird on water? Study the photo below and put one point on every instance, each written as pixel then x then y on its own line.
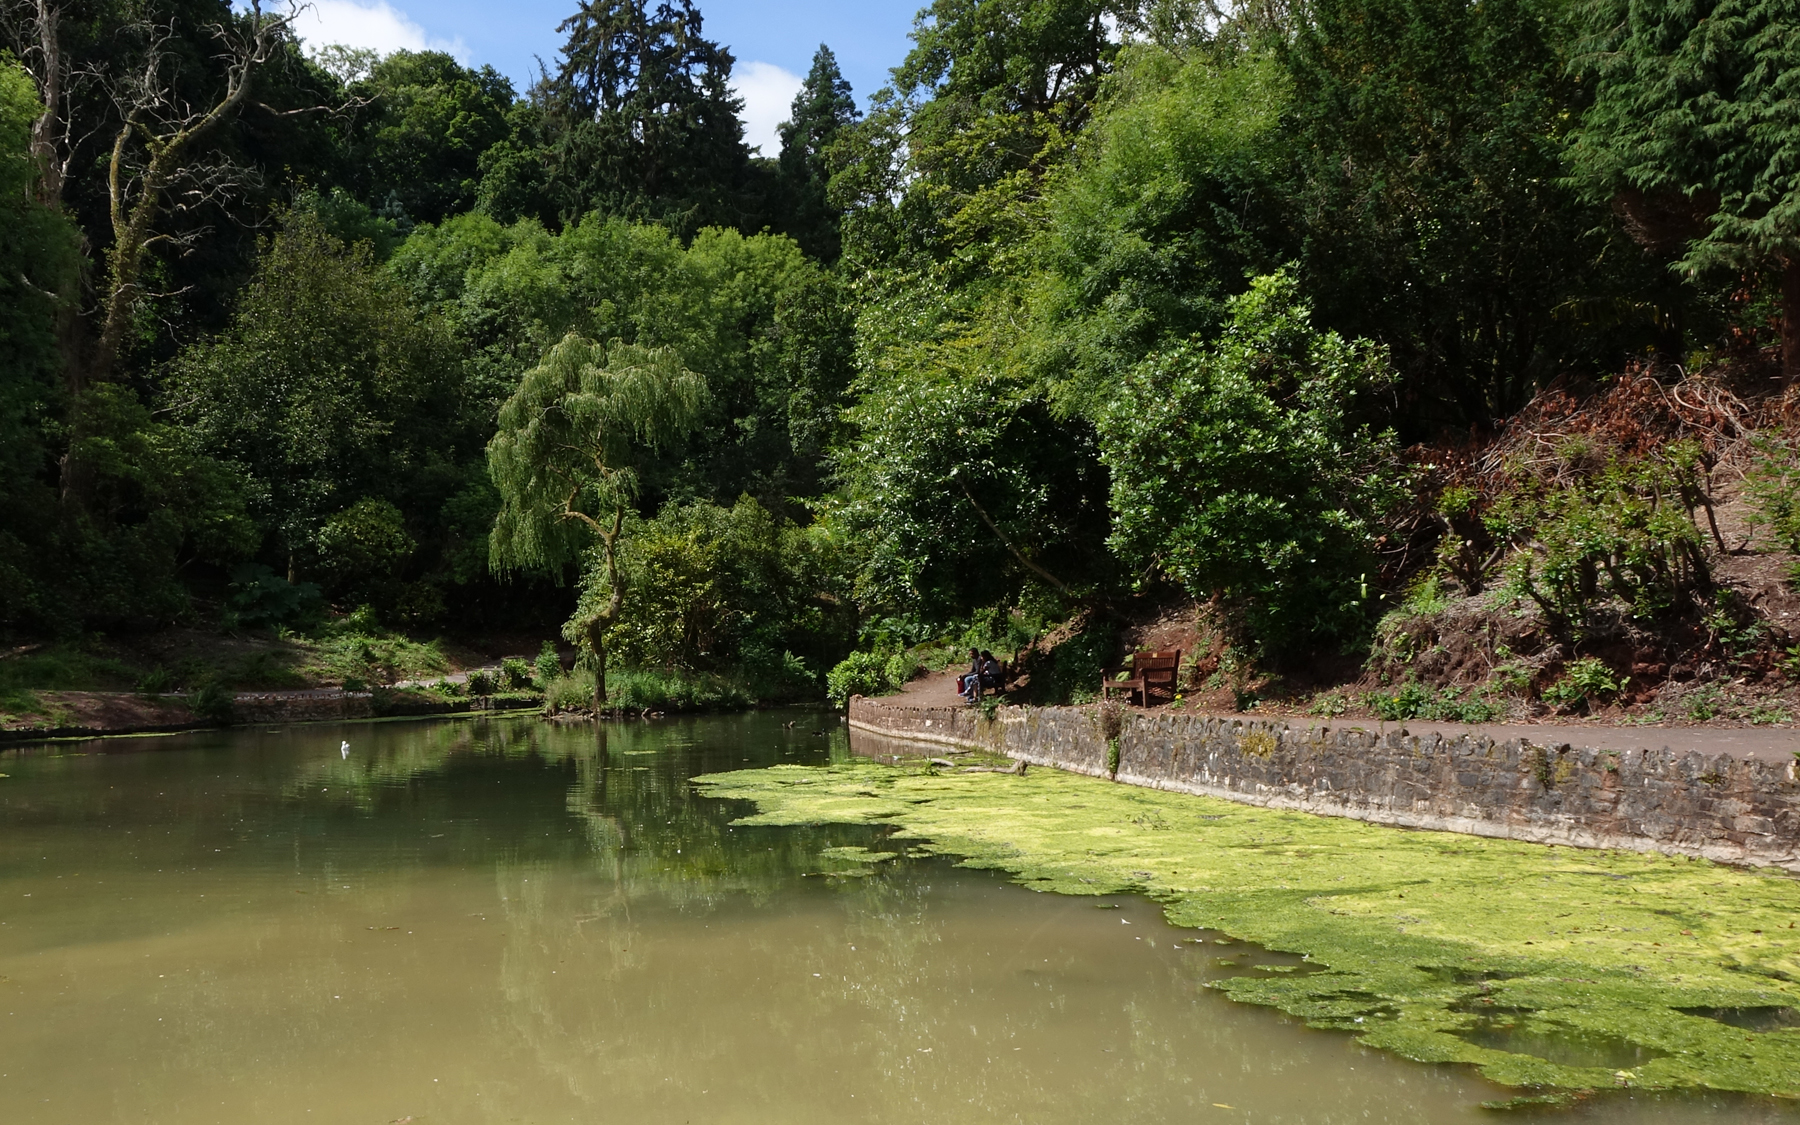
pixel 344 749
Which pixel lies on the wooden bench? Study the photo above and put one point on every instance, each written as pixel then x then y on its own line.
pixel 1153 675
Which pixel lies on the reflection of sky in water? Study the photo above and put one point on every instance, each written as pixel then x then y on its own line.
pixel 509 920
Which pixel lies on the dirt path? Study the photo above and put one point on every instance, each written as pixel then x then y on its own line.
pixel 1770 744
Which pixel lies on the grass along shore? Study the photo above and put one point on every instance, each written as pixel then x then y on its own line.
pixel 1523 960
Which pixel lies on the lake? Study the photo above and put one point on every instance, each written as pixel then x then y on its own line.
pixel 506 920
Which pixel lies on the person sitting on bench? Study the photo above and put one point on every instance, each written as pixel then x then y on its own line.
pixel 992 675
pixel 968 685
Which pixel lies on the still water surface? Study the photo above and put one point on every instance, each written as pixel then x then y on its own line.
pixel 508 921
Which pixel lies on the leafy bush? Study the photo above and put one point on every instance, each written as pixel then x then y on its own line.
pixel 1418 701
pixel 1775 488
pixel 652 690
pixel 1584 681
pixel 573 692
pixel 260 598
pixel 212 701
pixel 515 673
pixel 363 547
pixel 1240 468
pixel 548 665
pixel 1613 530
pixel 379 658
pixel 480 683
pixel 1077 663
pixel 860 673
pixel 900 667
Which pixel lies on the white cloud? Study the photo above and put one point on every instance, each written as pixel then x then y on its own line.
pixel 768 92
pixel 376 25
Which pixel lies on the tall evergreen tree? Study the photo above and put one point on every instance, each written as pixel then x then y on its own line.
pixel 647 125
pixel 822 108
pixel 1695 134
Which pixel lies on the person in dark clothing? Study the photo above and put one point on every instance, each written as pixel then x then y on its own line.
pixel 990 672
pixel 968 685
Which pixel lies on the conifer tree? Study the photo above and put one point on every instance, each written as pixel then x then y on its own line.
pixel 823 107
pixel 1694 134
pixel 647 122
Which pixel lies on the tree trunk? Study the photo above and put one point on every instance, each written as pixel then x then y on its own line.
pixel 1790 320
pixel 597 641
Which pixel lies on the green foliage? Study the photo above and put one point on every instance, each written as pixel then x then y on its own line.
pixel 900 668
pixel 338 402
pixel 1076 664
pixel 1162 213
pixel 961 491
pixel 515 674
pixel 1418 701
pixel 821 110
pixel 1584 681
pixel 261 598
pixel 1430 207
pixel 548 665
pixel 1692 124
pixel 415 148
pixel 1240 469
pixel 572 440
pixel 481 684
pixel 860 673
pixel 363 547
pixel 353 650
pixel 642 119
pixel 573 692
pixel 1615 534
pixel 1774 481
pixel 213 701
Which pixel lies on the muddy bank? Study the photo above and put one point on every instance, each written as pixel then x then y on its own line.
pixel 98 714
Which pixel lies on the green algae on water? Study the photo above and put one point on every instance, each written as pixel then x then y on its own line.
pixel 1544 966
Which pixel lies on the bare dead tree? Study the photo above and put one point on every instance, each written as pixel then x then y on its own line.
pixel 157 163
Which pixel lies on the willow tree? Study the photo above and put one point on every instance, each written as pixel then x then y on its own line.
pixel 566 458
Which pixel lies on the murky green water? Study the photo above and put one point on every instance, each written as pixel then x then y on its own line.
pixel 498 921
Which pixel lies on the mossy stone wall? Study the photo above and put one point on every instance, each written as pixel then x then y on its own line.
pixel 1721 807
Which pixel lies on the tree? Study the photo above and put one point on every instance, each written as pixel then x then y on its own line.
pixel 646 123
pixel 1429 194
pixel 567 460
pixel 328 387
pixel 429 119
pixel 822 109
pixel 1694 134
pixel 1240 469
pixel 158 157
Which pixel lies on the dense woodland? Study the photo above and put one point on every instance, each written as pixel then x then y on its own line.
pixel 1334 318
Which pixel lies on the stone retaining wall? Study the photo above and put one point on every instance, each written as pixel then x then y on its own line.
pixel 1722 807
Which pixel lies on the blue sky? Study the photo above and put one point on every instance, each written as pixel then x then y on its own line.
pixel 773 42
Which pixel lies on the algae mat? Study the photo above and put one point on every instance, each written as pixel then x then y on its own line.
pixel 1544 966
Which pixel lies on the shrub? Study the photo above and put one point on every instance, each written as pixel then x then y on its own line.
pixel 212 701
pixel 480 683
pixel 900 668
pixel 1418 701
pixel 1584 681
pixel 1618 532
pixel 1077 663
pixel 573 692
pixel 1239 468
pixel 860 673
pixel 260 598
pixel 548 665
pixel 515 673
